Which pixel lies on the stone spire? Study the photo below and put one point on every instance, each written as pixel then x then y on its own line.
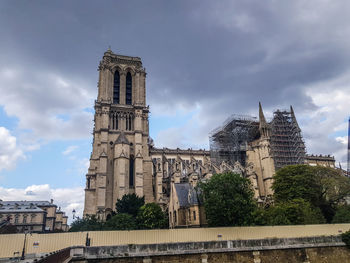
pixel 294 120
pixel 263 125
pixel 262 119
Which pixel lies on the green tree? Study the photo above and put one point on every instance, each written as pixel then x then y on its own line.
pixel 121 221
pixel 151 216
pixel 294 212
pixel 322 187
pixel 8 229
pixel 295 182
pixel 88 223
pixel 346 238
pixel 228 200
pixel 130 204
pixel 342 214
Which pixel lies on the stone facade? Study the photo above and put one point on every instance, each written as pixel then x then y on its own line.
pixel 120 161
pixel 33 216
pixel 125 161
pixel 322 160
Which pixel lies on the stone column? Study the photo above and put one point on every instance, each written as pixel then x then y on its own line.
pixel 204 258
pixel 121 171
pixel 138 154
pixel 159 180
pixel 137 89
pixel 122 87
pixel 143 88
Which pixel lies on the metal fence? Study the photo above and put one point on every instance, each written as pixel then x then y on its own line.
pixel 45 243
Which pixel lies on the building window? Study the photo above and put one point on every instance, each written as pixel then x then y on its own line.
pixel 113 121
pixel 16 219
pixel 116 87
pixel 88 183
pixel 131 171
pixel 175 217
pixel 128 93
pixel 129 122
pixel 189 215
pixel 24 219
pixel 194 215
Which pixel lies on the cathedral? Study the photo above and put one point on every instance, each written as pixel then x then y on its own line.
pixel 125 161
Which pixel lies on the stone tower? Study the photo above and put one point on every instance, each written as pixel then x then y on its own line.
pixel 120 162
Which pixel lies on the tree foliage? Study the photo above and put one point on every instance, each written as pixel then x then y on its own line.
pixel 130 204
pixel 228 200
pixel 342 214
pixel 121 222
pixel 294 212
pixel 9 229
pixel 296 182
pixel 346 238
pixel 151 216
pixel 88 223
pixel 322 187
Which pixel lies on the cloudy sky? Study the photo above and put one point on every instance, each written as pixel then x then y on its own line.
pixel 205 60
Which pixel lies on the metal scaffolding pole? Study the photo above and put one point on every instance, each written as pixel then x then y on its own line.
pixel 229 142
pixel 348 164
pixel 287 145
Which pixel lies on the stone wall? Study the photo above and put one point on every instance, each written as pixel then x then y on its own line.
pixel 305 255
pixel 312 249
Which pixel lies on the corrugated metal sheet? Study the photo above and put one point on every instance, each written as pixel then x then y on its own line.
pixel 44 243
pixel 10 244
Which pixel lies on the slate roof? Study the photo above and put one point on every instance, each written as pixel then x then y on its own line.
pixel 20 206
pixel 186 194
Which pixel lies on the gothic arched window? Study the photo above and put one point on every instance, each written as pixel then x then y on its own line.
pixel 116 87
pixel 128 97
pixel 131 171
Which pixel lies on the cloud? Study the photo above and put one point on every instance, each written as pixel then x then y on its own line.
pixel 70 149
pixel 66 198
pixel 225 57
pixel 45 103
pixel 342 140
pixel 10 153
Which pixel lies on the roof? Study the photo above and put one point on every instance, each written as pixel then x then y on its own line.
pixel 186 194
pixel 37 203
pixel 19 206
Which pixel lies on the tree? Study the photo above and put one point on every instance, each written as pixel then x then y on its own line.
pixel 8 229
pixel 151 216
pixel 322 187
pixel 228 200
pixel 342 214
pixel 130 204
pixel 88 223
pixel 296 181
pixel 121 221
pixel 294 212
pixel 345 237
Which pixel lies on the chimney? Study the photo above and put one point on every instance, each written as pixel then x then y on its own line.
pixel 51 201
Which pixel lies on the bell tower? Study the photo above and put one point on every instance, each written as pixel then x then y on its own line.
pixel 120 162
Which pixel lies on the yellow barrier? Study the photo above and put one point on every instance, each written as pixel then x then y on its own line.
pixel 44 243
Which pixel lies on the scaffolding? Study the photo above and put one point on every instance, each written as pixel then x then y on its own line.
pixel 287 145
pixel 348 164
pixel 229 142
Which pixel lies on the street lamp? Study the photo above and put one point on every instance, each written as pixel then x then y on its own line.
pixel 24 243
